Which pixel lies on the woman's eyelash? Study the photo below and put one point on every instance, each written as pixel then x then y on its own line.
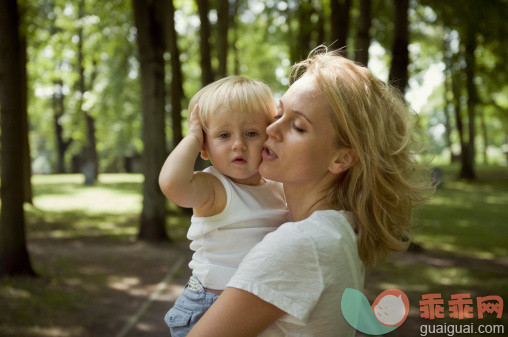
pixel 298 129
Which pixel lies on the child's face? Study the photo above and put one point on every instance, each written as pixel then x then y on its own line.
pixel 234 144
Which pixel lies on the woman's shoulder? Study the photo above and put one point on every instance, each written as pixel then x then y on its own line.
pixel 329 224
pixel 321 224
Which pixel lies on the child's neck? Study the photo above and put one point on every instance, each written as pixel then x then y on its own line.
pixel 255 180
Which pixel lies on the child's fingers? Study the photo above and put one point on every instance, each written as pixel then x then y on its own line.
pixel 194 116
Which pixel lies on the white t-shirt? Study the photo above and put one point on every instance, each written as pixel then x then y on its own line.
pixel 303 268
pixel 221 241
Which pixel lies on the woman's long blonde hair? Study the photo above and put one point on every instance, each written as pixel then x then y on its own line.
pixel 383 186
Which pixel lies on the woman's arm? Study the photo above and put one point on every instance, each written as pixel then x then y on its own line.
pixel 236 313
pixel 177 178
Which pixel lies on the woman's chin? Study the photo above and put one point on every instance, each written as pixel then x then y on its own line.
pixel 266 171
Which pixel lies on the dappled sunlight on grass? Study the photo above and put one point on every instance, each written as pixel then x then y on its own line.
pixel 38 331
pixel 130 285
pixel 91 200
pixel 467 218
pixel 426 278
pixel 76 224
pixel 114 193
pixel 64 208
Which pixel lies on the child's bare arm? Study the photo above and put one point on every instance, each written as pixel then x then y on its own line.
pixel 177 178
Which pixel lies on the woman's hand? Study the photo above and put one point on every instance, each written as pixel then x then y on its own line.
pixel 195 126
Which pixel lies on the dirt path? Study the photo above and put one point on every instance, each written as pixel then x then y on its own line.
pixel 110 283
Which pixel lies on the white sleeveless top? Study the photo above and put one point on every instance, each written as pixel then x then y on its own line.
pixel 221 241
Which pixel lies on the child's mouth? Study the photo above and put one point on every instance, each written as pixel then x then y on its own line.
pixel 239 160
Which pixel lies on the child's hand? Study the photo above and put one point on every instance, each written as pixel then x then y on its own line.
pixel 195 128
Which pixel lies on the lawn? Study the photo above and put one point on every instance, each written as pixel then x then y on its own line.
pixel 93 274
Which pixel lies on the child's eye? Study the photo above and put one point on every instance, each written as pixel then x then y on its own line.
pixel 224 135
pixel 252 134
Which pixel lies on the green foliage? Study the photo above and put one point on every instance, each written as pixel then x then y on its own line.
pixel 265 31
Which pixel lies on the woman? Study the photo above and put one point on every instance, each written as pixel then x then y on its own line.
pixel 341 147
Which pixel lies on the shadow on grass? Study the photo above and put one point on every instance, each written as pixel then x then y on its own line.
pixel 466 218
pixel 80 225
pixel 419 274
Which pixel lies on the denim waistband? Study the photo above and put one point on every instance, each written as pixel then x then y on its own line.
pixel 195 285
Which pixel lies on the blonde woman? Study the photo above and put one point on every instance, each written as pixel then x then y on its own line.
pixel 341 146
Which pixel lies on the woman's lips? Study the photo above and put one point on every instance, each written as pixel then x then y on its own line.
pixel 268 154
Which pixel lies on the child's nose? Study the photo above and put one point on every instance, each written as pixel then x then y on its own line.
pixel 239 144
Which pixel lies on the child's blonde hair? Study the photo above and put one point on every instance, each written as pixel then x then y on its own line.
pixel 236 93
pixel 383 186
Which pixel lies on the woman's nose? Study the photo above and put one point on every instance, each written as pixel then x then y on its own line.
pixel 273 130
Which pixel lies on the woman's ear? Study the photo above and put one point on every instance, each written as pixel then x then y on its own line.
pixel 344 159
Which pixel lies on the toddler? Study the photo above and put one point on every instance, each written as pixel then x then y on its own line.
pixel 233 206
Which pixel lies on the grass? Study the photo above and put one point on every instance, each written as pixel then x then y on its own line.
pixel 65 208
pixel 82 240
pixel 467 218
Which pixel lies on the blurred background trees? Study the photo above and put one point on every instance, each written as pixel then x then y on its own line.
pixel 108 82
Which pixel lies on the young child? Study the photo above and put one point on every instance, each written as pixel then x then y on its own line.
pixel 233 206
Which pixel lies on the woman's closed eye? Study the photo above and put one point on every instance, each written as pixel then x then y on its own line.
pixel 297 129
pixel 293 124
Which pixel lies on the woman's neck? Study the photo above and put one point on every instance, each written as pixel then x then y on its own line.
pixel 303 201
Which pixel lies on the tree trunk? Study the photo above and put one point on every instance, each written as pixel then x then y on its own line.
pixel 290 35
pixel 362 33
pixel 321 34
pixel 222 36
pixel 151 48
pixel 27 162
pixel 14 258
pixel 207 75
pixel 458 115
pixel 400 56
pixel 58 112
pixel 485 138
pixel 177 93
pixel 340 23
pixel 467 170
pixel 90 168
pixel 305 28
pixel 234 24
pixel 448 103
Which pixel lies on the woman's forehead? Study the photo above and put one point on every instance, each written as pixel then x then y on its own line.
pixel 305 96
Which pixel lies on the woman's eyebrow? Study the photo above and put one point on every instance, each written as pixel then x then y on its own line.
pixel 296 112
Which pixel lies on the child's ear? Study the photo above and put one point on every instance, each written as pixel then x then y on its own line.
pixel 204 153
pixel 345 158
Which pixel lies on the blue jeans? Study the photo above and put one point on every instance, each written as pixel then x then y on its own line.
pixel 189 307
